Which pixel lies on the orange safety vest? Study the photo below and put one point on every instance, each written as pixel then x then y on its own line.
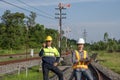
pixel 80 64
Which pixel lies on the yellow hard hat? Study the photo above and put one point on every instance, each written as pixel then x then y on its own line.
pixel 48 38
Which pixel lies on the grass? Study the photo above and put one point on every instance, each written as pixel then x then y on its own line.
pixel 110 60
pixel 14 58
pixel 33 74
pixel 12 51
pixel 4 52
pixel 7 52
pixel 9 59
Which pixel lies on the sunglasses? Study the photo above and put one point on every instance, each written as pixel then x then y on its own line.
pixel 48 41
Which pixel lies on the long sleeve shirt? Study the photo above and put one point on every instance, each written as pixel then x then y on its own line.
pixel 49 59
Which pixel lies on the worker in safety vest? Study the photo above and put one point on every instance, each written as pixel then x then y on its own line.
pixel 50 59
pixel 80 59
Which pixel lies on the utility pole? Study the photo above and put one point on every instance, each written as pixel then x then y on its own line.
pixel 0 18
pixel 27 29
pixel 84 34
pixel 60 17
pixel 67 30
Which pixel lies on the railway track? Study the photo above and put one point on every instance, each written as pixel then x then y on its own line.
pixel 15 65
pixel 9 66
pixel 17 55
pixel 97 74
pixel 24 55
pixel 18 61
pixel 12 55
pixel 68 72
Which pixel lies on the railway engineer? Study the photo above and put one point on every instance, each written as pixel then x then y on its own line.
pixel 50 59
pixel 80 61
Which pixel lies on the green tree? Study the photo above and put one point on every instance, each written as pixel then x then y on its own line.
pixel 36 36
pixel 112 45
pixel 12 35
pixel 31 20
pixel 15 33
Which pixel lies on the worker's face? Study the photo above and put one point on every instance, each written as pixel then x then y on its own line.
pixel 80 46
pixel 48 43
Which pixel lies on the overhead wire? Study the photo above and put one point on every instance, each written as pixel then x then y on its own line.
pixel 26 9
pixel 34 8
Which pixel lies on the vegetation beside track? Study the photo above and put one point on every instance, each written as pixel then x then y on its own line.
pixel 110 60
pixel 21 54
pixel 19 51
pixel 33 74
pixel 32 35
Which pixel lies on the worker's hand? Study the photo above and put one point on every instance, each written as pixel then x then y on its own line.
pixel 88 61
pixel 55 64
pixel 82 60
pixel 77 61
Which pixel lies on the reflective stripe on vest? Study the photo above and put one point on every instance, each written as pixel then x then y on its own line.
pixel 51 52
pixel 80 64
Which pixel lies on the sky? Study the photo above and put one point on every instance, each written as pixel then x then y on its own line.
pixel 94 16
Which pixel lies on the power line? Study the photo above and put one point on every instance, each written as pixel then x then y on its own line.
pixel 34 8
pixel 25 9
pixel 15 6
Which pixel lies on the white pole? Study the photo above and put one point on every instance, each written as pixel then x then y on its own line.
pixel 26 71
